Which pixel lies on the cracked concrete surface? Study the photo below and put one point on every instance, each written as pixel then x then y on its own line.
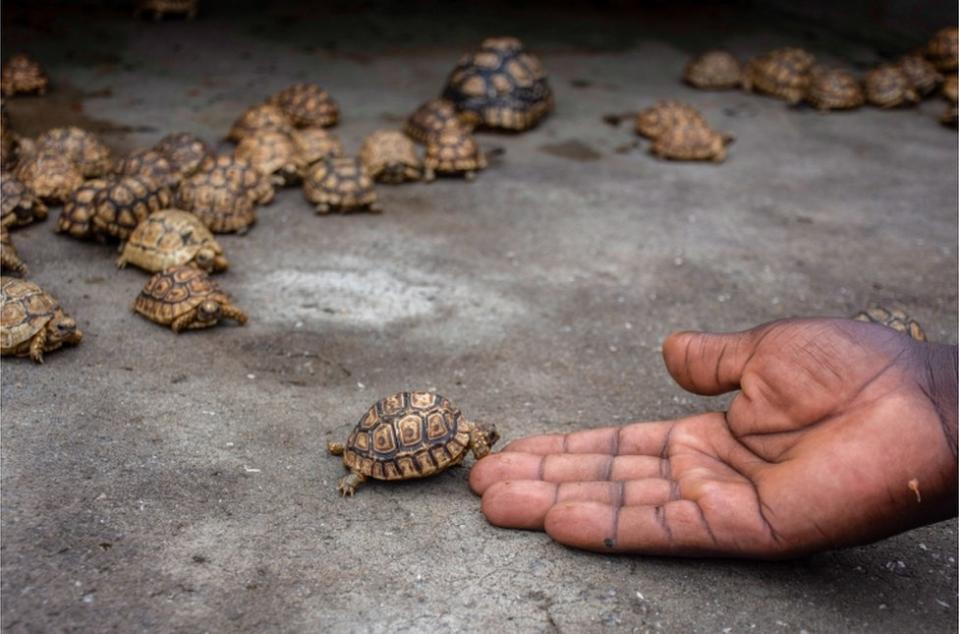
pixel 154 482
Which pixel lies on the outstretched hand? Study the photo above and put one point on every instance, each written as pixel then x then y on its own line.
pixel 842 433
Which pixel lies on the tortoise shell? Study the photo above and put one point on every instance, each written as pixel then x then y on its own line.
pixel 171 237
pixel 834 89
pixel 218 200
pixel 241 175
pixel 454 151
pixel 782 73
pixel 18 205
pixel 691 141
pixel 897 319
pixel 21 74
pixel 500 86
pixel 125 202
pixel 52 177
pixel 84 148
pixel 76 218
pixel 28 312
pixel 390 157
pixel 430 119
pixel 185 151
pixel 713 70
pixel 339 184
pixel 950 87
pixel 159 8
pixel 943 49
pixel 274 154
pixel 889 87
pixel 257 119
pixel 175 292
pixel 662 116
pixel 314 144
pixel 307 105
pixel 407 435
pixel 921 74
pixel 9 258
pixel 150 163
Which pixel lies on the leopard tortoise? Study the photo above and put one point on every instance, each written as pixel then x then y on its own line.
pixel 32 321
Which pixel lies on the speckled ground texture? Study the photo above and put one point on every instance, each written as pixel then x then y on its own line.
pixel 154 482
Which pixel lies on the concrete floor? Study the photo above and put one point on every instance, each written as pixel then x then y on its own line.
pixel 154 482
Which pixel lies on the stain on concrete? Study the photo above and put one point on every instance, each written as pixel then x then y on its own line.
pixel 573 149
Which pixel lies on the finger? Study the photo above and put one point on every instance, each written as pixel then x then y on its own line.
pixel 674 528
pixel 637 438
pixel 524 504
pixel 563 468
pixel 709 363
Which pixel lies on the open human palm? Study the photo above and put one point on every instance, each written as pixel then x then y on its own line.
pixel 842 433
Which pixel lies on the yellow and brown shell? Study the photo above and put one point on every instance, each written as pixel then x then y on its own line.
pixel 834 89
pixel 76 217
pixel 176 291
pixel 125 202
pixel 307 105
pixel 18 205
pixel 664 115
pixel 390 157
pixel 407 435
pixel 150 163
pixel 782 73
pixel 26 309
pixel 500 86
pixel 339 184
pixel 943 49
pixel 430 119
pixel 259 118
pixel 241 175
pixel 454 151
pixel 159 8
pixel 274 154
pixel 84 148
pixel 52 177
pixel 218 200
pixel 713 70
pixel 22 74
pixel 922 75
pixel 185 151
pixel 691 142
pixel 171 237
pixel 9 258
pixel 896 318
pixel 889 87
pixel 315 144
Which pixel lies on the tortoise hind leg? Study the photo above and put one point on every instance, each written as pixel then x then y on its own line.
pixel 350 483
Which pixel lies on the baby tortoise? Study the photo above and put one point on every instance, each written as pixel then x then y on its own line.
pixel 171 237
pixel 430 119
pixel 76 218
pixel 950 87
pixel 390 157
pixel 9 258
pixel 84 148
pixel 18 205
pixel 896 319
pixel 52 177
pixel 889 87
pixel 664 115
pixel 126 202
pixel 307 106
pixel 500 86
pixel 409 435
pixel 834 89
pixel 943 49
pixel 274 154
pixel 315 144
pixel 241 175
pixel 185 152
pixel 257 119
pixel 22 75
pixel 713 70
pixel 340 184
pixel 150 163
pixel 454 151
pixel 220 203
pixel 922 76
pixel 782 73
pixel 157 9
pixel 31 321
pixel 690 141
pixel 185 298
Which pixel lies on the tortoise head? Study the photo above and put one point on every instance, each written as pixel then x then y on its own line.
pixel 482 439
pixel 205 258
pixel 63 329
pixel 208 311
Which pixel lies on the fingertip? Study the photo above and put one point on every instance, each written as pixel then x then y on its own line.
pixel 479 477
pixel 503 466
pixel 589 525
pixel 521 505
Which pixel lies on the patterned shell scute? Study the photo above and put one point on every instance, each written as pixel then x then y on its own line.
pixel 340 182
pixel 76 218
pixel 84 148
pixel 407 435
pixel 664 115
pixel 889 87
pixel 149 163
pixel 184 151
pixel 690 142
pixel 307 105
pixel 430 119
pixel 943 49
pixel 127 201
pixel 391 157
pixel 167 238
pixel 922 75
pixel 896 318
pixel 454 151
pixel 715 70
pixel 26 309
pixel 315 144
pixel 500 86
pixel 18 205
pixel 240 175
pixel 272 152
pixel 21 74
pixel 834 89
pixel 259 118
pixel 782 73
pixel 176 291
pixel 222 204
pixel 52 177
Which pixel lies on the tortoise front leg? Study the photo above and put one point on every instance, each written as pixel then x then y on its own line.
pixel 37 345
pixel 228 311
pixel 12 262
pixel 350 483
pixel 183 322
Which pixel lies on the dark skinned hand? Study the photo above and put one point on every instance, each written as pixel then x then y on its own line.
pixel 842 433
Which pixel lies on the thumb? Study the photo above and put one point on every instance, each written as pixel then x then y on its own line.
pixel 710 363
